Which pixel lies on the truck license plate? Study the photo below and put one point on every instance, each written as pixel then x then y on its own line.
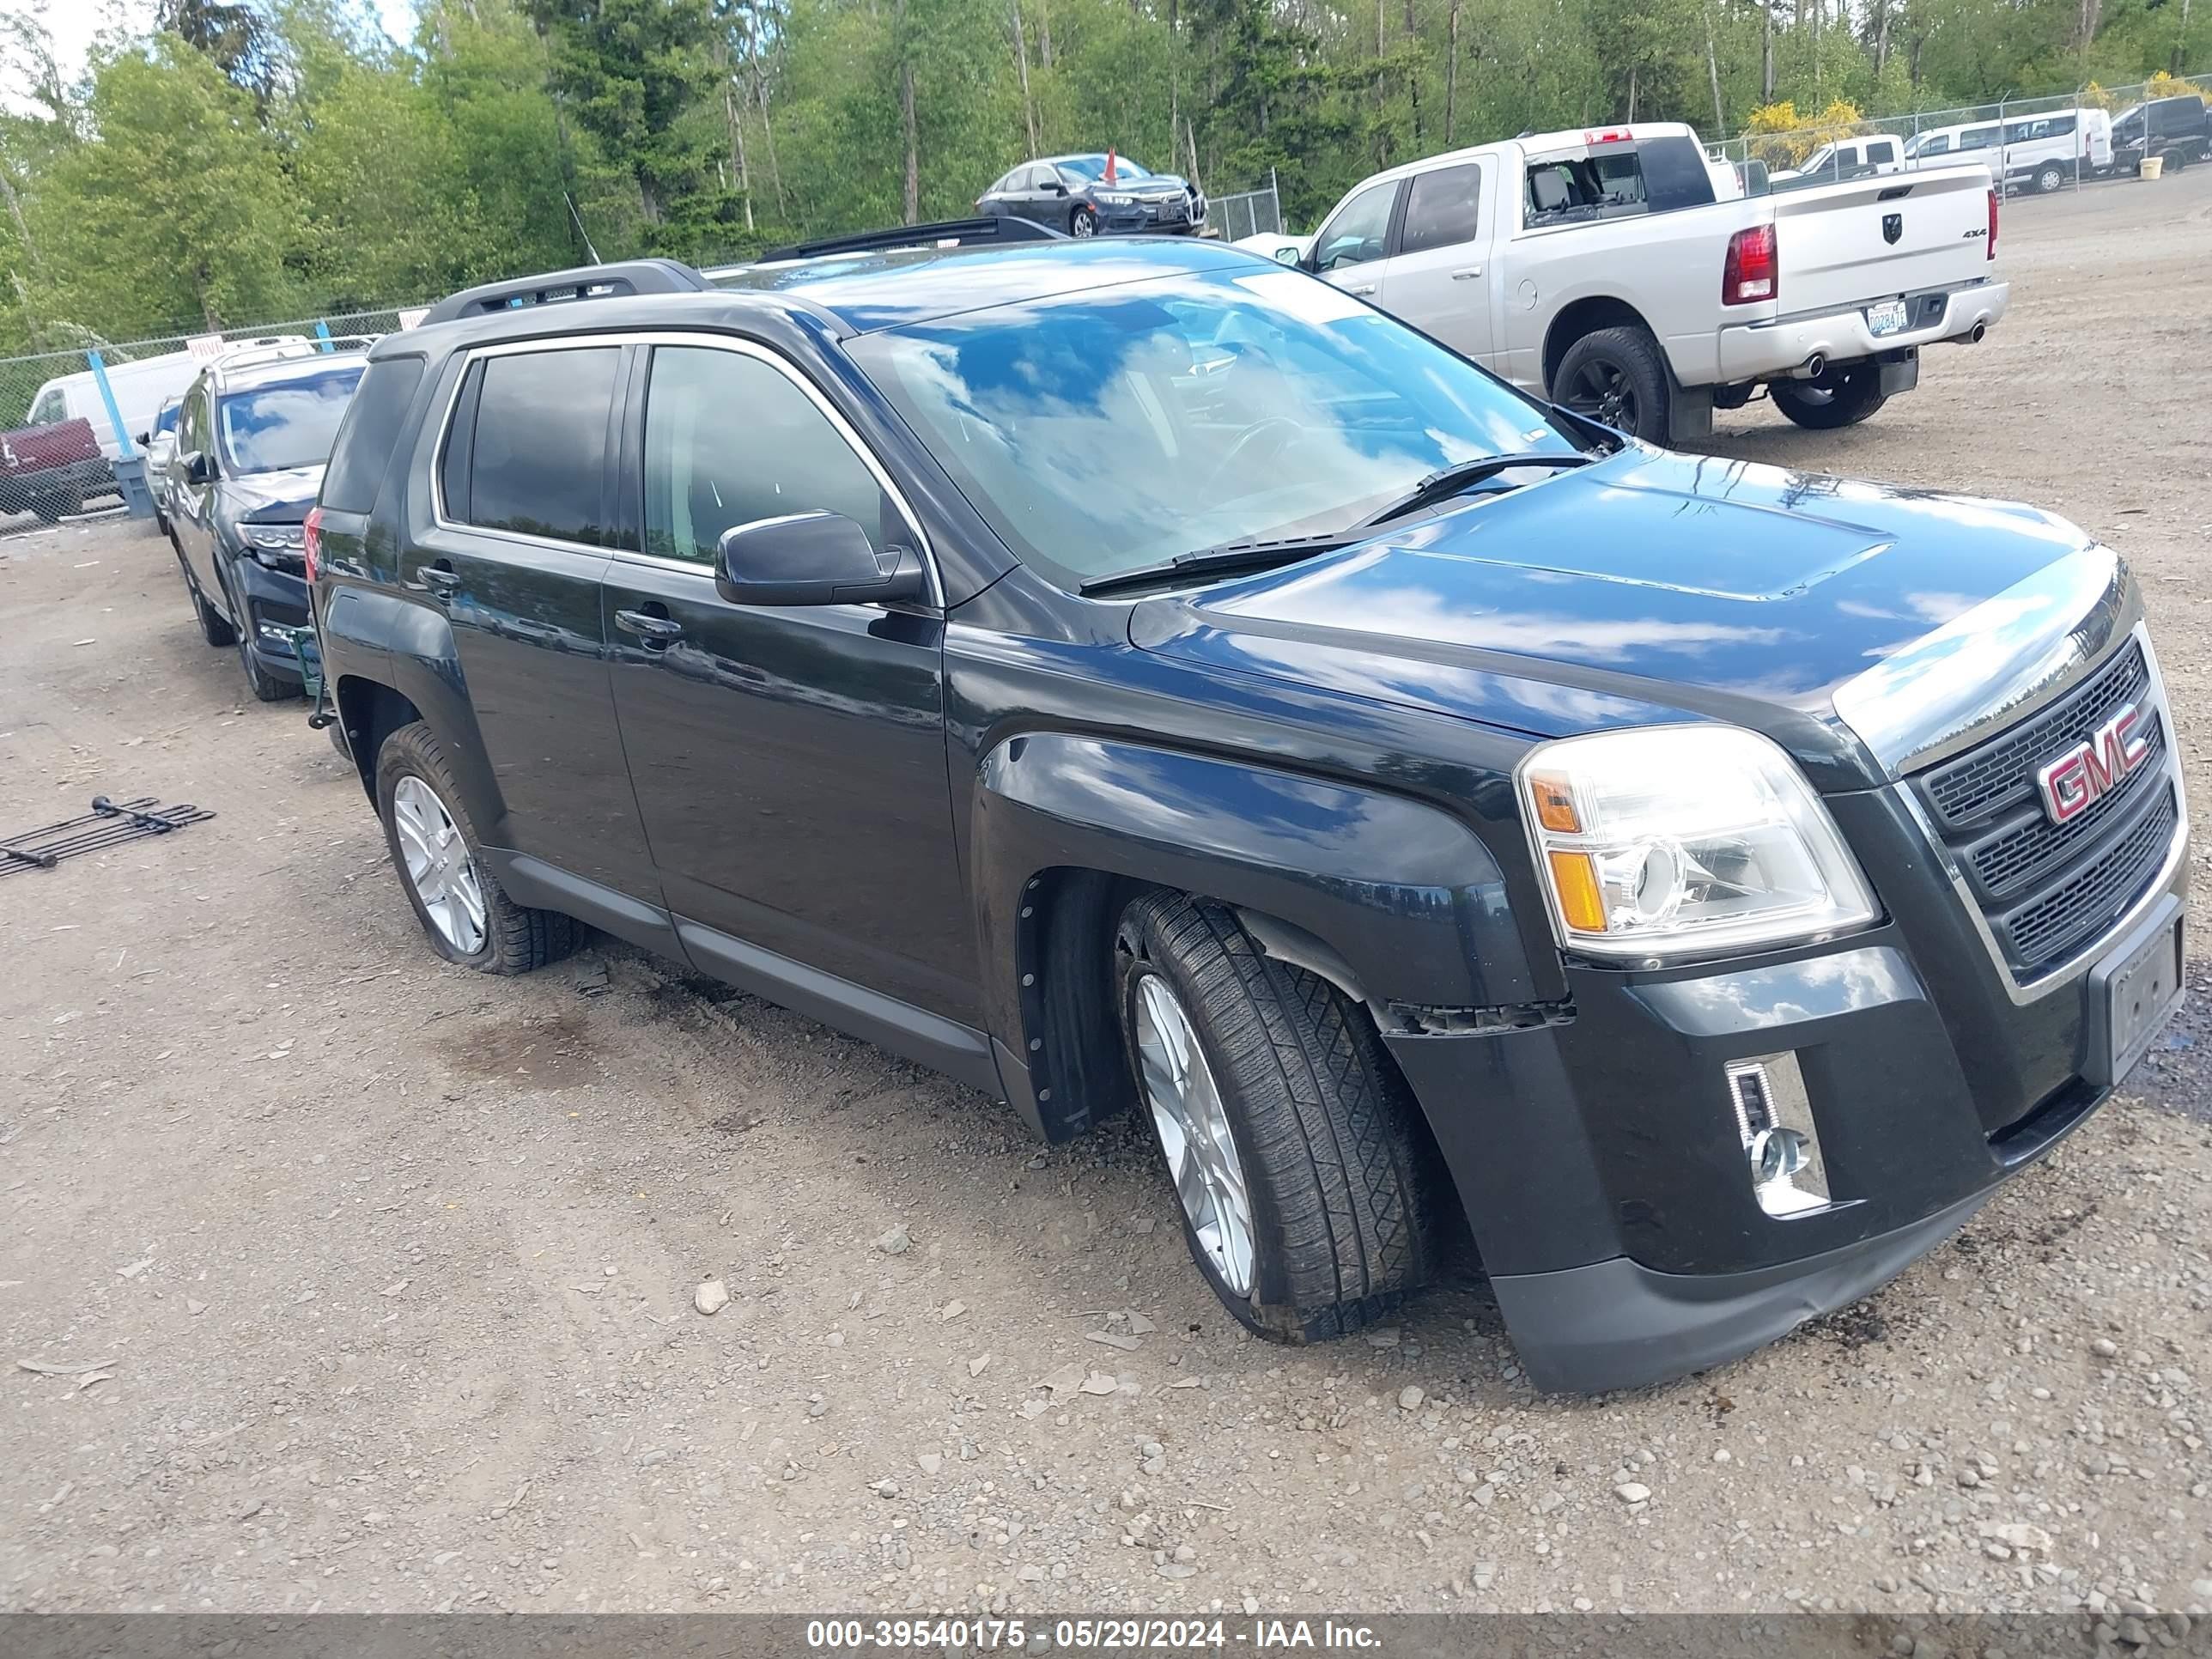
pixel 2140 995
pixel 1887 318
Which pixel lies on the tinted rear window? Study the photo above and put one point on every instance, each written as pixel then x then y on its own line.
pixel 539 464
pixel 372 427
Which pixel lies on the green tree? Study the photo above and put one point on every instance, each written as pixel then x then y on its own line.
pixel 176 212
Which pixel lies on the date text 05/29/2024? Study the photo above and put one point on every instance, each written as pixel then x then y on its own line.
pixel 1091 1634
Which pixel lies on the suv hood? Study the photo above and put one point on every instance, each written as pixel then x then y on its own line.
pixel 1654 586
pixel 281 497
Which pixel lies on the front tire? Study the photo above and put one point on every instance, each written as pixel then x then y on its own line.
pixel 466 914
pixel 1617 376
pixel 1288 1133
pixel 2051 179
pixel 1082 223
pixel 213 629
pixel 1842 396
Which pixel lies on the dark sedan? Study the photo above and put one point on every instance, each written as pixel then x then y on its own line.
pixel 1103 195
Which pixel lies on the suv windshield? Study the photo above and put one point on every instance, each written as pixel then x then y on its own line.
pixel 289 423
pixel 1103 431
pixel 1092 168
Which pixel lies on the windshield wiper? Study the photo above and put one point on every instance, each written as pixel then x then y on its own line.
pixel 1265 553
pixel 1226 559
pixel 1448 481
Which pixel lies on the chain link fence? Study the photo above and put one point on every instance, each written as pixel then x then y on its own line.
pixel 52 468
pixel 2037 145
pixel 1246 212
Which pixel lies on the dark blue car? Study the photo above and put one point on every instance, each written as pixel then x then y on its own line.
pixel 1134 675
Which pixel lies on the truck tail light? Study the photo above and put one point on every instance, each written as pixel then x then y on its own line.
pixel 1989 249
pixel 311 540
pixel 1751 271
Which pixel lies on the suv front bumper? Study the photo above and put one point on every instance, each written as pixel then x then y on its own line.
pixel 276 603
pixel 1602 1163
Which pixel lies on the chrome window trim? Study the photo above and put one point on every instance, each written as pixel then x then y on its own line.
pixel 2024 992
pixel 701 338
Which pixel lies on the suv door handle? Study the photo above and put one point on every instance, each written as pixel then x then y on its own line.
pixel 656 631
pixel 439 580
pixel 1362 288
pixel 1464 272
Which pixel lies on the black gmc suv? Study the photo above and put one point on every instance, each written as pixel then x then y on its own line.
pixel 1130 671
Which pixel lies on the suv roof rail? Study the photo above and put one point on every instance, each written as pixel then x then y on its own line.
pixel 950 232
pixel 263 351
pixel 559 287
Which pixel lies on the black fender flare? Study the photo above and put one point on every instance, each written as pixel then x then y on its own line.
pixel 409 647
pixel 1393 898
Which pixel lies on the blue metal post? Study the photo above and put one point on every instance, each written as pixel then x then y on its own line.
pixel 108 396
pixel 323 333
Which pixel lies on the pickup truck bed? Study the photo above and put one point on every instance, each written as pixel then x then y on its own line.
pixel 50 470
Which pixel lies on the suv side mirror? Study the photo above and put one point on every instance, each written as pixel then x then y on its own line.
pixel 200 468
pixel 813 558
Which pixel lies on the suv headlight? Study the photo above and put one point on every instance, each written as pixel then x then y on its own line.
pixel 1685 840
pixel 275 538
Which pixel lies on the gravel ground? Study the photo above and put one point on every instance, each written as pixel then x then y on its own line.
pixel 389 1269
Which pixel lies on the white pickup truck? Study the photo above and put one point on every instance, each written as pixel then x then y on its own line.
pixel 1618 273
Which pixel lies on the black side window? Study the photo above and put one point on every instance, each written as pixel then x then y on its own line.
pixel 1440 209
pixel 706 473
pixel 369 432
pixel 538 463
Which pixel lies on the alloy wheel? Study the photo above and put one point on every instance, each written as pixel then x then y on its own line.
pixel 439 867
pixel 1602 389
pixel 1193 1130
pixel 1083 224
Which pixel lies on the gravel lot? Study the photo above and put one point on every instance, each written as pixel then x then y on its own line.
pixel 389 1268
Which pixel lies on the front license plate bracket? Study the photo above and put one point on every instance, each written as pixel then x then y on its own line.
pixel 2129 995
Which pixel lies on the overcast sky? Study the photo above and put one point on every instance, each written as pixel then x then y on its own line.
pixel 74 22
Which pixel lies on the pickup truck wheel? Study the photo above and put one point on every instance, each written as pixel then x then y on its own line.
pixel 1287 1132
pixel 457 898
pixel 1617 376
pixel 1842 396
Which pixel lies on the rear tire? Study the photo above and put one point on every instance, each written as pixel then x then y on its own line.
pixel 1842 396
pixel 1617 376
pixel 507 938
pixel 1317 1130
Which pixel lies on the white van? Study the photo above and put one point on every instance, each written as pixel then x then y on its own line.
pixel 2046 152
pixel 140 388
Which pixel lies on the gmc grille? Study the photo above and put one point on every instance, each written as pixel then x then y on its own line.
pixel 2049 890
